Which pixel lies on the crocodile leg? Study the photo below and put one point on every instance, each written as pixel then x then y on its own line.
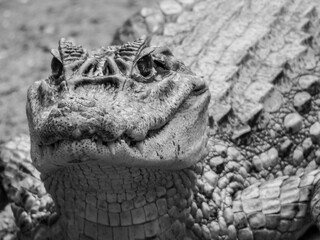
pixel 36 218
pixel 276 209
pixel 315 205
pixel 32 206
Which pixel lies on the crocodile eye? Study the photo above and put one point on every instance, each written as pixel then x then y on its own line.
pixel 56 67
pixel 145 66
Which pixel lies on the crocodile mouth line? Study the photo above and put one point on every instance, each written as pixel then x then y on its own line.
pixel 53 144
pixel 149 151
pixel 110 145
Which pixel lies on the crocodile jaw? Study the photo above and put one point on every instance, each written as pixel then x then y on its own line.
pixel 132 105
pixel 179 144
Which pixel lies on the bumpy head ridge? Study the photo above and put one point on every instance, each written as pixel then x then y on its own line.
pixel 131 105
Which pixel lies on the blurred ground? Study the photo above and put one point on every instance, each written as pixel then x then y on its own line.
pixel 30 28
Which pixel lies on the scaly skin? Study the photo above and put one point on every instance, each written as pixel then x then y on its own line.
pixel 260 178
pixel 125 104
pixel 104 118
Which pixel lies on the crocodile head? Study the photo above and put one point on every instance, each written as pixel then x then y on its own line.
pixel 130 105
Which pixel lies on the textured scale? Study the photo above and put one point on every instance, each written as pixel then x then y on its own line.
pixel 71 56
pixel 129 51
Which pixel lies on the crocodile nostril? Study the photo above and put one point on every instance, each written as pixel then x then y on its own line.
pixel 110 67
pixel 106 69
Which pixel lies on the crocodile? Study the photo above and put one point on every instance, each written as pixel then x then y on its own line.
pixel 130 147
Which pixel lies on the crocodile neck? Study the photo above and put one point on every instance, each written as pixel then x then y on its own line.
pixel 96 200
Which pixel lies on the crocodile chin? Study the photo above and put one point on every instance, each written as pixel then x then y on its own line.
pixel 132 105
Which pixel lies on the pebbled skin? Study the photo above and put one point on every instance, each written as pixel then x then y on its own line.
pixel 104 118
pixel 260 177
